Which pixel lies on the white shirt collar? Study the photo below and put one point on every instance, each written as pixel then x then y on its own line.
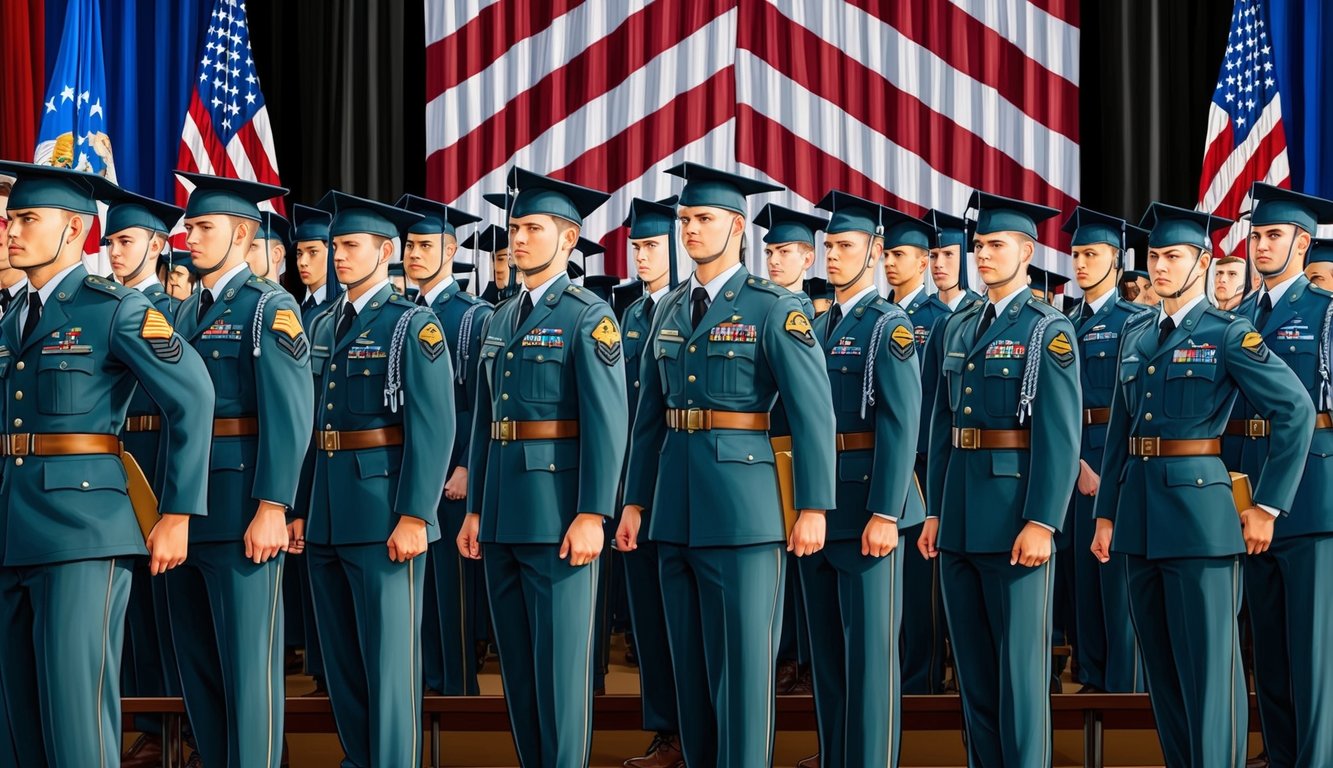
pixel 1098 303
pixel 907 300
pixel 226 278
pixel 364 299
pixel 542 289
pixel 955 301
pixel 1277 291
pixel 714 286
pixel 16 287
pixel 146 283
pixel 438 289
pixel 854 300
pixel 318 294
pixel 1179 316
pixel 1004 303
pixel 46 290
pixel 657 295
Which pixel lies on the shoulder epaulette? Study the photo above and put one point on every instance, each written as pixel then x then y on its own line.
pixel 262 284
pixel 583 294
pixel 767 286
pixel 105 286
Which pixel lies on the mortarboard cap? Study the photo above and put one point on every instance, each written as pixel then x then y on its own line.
pixel 491 239
pixel 602 285
pixel 310 224
pixel 1274 205
pixel 1168 225
pixel 436 218
pixel 125 209
pixel 712 188
pixel 1045 280
pixel 217 195
pixel 949 229
pixel 272 226
pixel 1089 227
pixel 648 218
pixel 537 194
pixel 1004 214
pixel 852 214
pixel 787 226
pixel 901 229
pixel 45 186
pixel 1321 251
pixel 396 269
pixel 356 215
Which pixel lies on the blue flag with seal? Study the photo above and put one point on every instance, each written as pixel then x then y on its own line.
pixel 73 127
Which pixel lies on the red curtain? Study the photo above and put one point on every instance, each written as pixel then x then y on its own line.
pixel 22 75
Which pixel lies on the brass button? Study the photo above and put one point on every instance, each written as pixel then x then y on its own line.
pixel 1198 481
pixel 330 454
pixel 691 378
pixel 1004 371
pixel 18 462
pixel 636 385
pixel 967 409
pixel 215 354
pixel 1152 369
pixel 1147 417
pixel 749 457
pixel 1189 372
pixel 329 406
pixel 967 390
pixel 844 369
pixel 18 395
pixel 692 347
pixel 507 374
pixel 971 366
pixel 504 396
pixel 19 365
pixel 365 372
pixel 509 355
pixel 1147 395
pixel 541 357
pixel 552 467
pixel 84 484
pixel 1101 354
pixel 332 384
pixel 18 422
pixel 731 353
pixel 333 366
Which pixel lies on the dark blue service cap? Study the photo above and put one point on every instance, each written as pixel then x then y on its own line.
pixel 310 224
pixel 1168 225
pixel 1321 251
pixel 357 215
pixel 1004 214
pixel 491 239
pixel 273 226
pixel 853 214
pixel 125 209
pixel 537 194
pixel 785 225
pixel 1274 205
pixel 949 229
pixel 436 218
pixel 218 195
pixel 46 186
pixel 651 218
pixel 902 229
pixel 1089 227
pixel 713 188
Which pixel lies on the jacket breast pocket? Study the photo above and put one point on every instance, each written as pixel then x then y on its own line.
pixel 1002 378
pixel 846 374
pixel 1129 381
pixel 1099 365
pixel 952 371
pixel 365 385
pixel 730 369
pixel 669 365
pixel 319 361
pixel 1189 388
pixel 65 384
pixel 542 373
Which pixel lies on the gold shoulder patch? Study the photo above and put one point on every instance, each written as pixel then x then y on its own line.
pixel 797 322
pixel 902 337
pixel 155 326
pixel 430 334
pixel 1060 344
pixel 1252 341
pixel 606 332
pixel 286 321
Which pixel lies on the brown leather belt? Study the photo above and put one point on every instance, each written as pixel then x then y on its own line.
pixel 59 444
pixel 151 423
pixel 556 429
pixel 1096 416
pixel 357 439
pixel 855 441
pixel 1156 446
pixel 1323 420
pixel 245 426
pixel 697 419
pixel 974 439
pixel 1249 427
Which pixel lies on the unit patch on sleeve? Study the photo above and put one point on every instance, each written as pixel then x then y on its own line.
pixel 290 336
pixel 904 342
pixel 1061 350
pixel 431 340
pixel 798 325
pixel 1253 344
pixel 157 332
pixel 607 337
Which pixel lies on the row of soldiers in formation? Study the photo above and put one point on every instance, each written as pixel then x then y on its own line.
pixel 720 433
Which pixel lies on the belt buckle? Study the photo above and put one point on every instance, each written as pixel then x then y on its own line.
pixel 694 419
pixel 328 441
pixel 969 438
pixel 19 444
pixel 1256 428
pixel 503 431
pixel 1150 446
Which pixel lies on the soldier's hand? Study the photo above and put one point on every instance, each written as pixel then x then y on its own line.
pixel 456 488
pixel 584 539
pixel 1257 525
pixel 267 534
pixel 468 545
pixel 627 535
pixel 408 539
pixel 295 536
pixel 1101 540
pixel 168 542
pixel 807 536
pixel 1088 480
pixel 1032 547
pixel 925 543
pixel 880 536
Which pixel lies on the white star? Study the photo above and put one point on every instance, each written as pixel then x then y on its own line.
pixel 217 83
pixel 67 93
pixel 1231 97
pixel 1249 104
pixel 1266 50
pixel 235 72
pixel 216 102
pixel 1268 66
pixel 250 78
pixel 96 109
pixel 84 97
pixel 203 77
pixel 1231 80
pixel 51 105
pixel 250 98
pixel 1268 81
pixel 220 67
pixel 1240 121
pixel 226 124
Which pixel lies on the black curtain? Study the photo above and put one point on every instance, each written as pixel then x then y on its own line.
pixel 346 89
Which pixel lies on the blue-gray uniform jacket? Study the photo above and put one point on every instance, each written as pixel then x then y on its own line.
pixel 390 371
pixel 76 373
pixel 1184 389
pixel 258 357
pixel 1099 356
pixel 923 312
pixel 778 424
pixel 876 335
pixel 462 317
pixel 930 353
pixel 1298 332
pixel 142 440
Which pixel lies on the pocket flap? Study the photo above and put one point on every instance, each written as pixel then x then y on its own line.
pixel 1196 472
pixel 744 448
pixel 1006 464
pixel 228 454
pixel 1205 371
pixel 80 363
pixel 546 456
pixel 100 474
pixel 373 463
pixel 855 466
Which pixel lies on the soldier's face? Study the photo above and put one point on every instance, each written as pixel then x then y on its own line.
pixel 264 257
pixel 1093 264
pixel 1228 280
pixel 500 262
pixel 215 237
pixel 787 263
pixel 845 255
pixel 1001 257
pixel 126 250
pixel 707 232
pixel 944 266
pixel 536 239
pixel 423 255
pixel 1145 294
pixel 1175 268
pixel 357 255
pixel 1321 274
pixel 178 283
pixel 35 235
pixel 904 264
pixel 652 258
pixel 1271 245
pixel 312 263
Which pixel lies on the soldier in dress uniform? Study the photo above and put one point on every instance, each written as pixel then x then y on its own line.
pixel 1002 462
pixel 226 603
pixel 385 417
pixel 1319 263
pixel 266 255
pixel 70 355
pixel 548 441
pixel 1287 586
pixel 653 250
pixel 310 236
pixel 1167 504
pixel 449 657
pixel 1108 658
pixel 494 241
pixel 723 346
pixel 853 586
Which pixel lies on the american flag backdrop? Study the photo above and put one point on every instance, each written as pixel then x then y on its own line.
pixel 1246 142
pixel 227 132
pixel 909 102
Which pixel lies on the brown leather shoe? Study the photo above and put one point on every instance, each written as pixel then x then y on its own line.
pixel 664 752
pixel 810 762
pixel 145 752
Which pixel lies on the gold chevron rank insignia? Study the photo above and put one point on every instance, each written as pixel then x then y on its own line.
pixel 607 337
pixel 155 326
pixel 286 321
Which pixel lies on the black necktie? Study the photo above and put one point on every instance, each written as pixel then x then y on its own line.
pixel 205 302
pixel 5 298
pixel 698 305
pixel 1086 313
pixel 1168 325
pixel 987 318
pixel 345 323
pixel 34 314
pixel 834 317
pixel 1265 309
pixel 421 299
pixel 524 309
pixel 308 304
pixel 648 306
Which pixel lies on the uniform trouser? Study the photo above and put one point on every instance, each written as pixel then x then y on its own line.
pixel 544 612
pixel 60 656
pixel 723 613
pixel 449 658
pixel 368 611
pixel 657 684
pixel 1108 655
pixel 923 628
pixel 1000 621
pixel 855 607
pixel 1287 592
pixel 794 641
pixel 601 626
pixel 142 668
pixel 1184 612
pixel 299 607
pixel 226 625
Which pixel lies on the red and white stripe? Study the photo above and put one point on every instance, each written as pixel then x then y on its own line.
pixel 249 155
pixel 912 103
pixel 1230 170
